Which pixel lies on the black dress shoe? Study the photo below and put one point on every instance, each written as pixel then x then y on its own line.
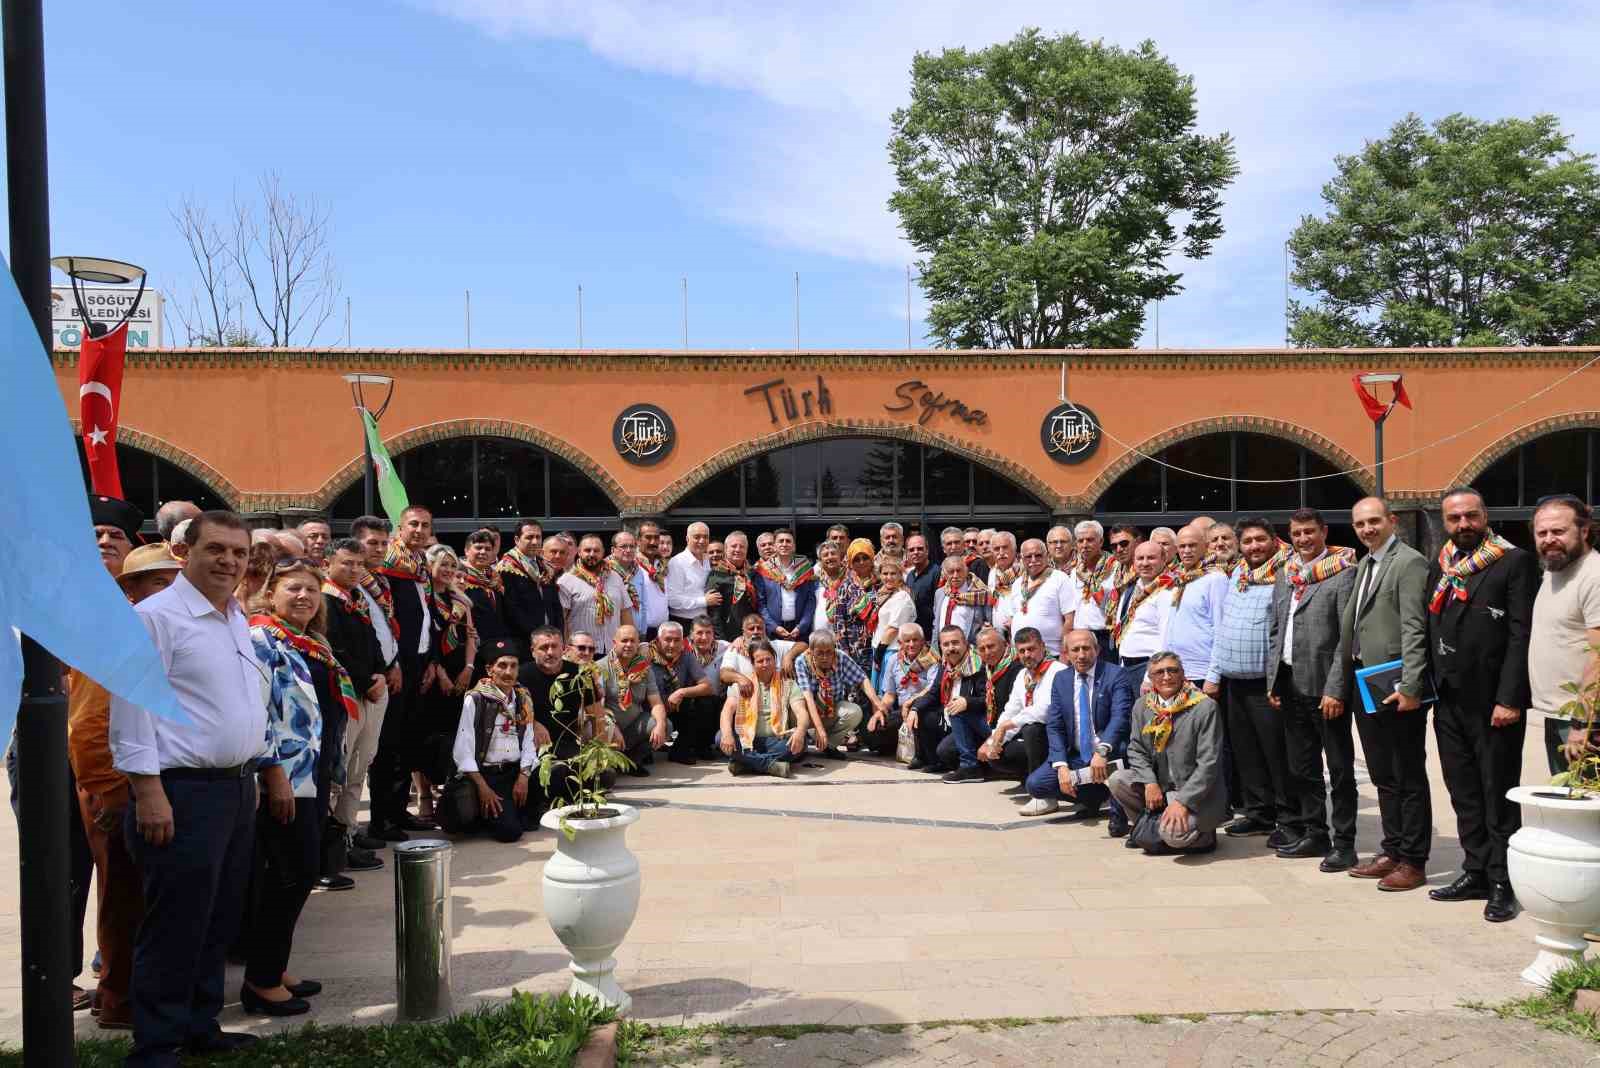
pixel 683 756
pixel 972 774
pixel 639 771
pixel 362 860
pixel 832 753
pixel 915 765
pixel 1117 825
pixel 221 1042
pixel 1279 838
pixel 1245 827
pixel 305 988
pixel 408 822
pixel 1502 904
pixel 1469 886
pixel 1310 846
pixel 386 832
pixel 256 1005
pixel 367 841
pixel 1082 812
pixel 330 883
pixel 1341 858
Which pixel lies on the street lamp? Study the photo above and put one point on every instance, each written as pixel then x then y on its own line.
pixel 103 272
pixel 359 382
pixel 1375 379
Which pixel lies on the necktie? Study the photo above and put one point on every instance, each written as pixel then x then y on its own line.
pixel 1367 568
pixel 1085 723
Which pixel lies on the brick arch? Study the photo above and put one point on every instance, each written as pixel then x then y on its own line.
pixel 1499 450
pixel 1246 424
pixel 172 454
pixel 850 428
pixel 415 437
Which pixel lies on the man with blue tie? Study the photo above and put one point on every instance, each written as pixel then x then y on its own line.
pixel 1087 727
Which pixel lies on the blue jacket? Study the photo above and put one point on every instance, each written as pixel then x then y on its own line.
pixel 805 606
pixel 1113 710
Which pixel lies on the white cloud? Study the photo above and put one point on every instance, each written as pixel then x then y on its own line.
pixel 1293 85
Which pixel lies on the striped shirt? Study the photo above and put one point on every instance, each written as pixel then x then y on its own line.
pixel 578 607
pixel 1240 649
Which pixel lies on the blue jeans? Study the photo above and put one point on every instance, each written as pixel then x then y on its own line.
pixel 970 730
pixel 761 755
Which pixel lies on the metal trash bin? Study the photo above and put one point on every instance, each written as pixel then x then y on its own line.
pixel 422 929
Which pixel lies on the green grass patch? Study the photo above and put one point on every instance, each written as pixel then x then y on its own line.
pixel 524 1032
pixel 1553 1008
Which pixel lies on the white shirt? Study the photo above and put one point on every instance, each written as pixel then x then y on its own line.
pixel 734 660
pixel 504 747
pixel 652 602
pixel 1090 616
pixel 960 616
pixel 380 624
pixel 1019 710
pixel 212 665
pixel 1003 606
pixel 897 611
pixel 1288 629
pixel 1146 629
pixel 425 631
pixel 686 585
pixel 787 606
pixel 1050 603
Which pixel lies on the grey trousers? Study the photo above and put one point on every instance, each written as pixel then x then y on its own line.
pixel 1129 792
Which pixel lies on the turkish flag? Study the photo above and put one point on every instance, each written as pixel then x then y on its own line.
pixel 1376 409
pixel 99 401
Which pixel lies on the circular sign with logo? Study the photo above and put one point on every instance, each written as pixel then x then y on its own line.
pixel 643 434
pixel 1070 433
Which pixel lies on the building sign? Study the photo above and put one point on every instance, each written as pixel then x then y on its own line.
pixel 106 304
pixel 807 403
pixel 915 393
pixel 643 435
pixel 1070 433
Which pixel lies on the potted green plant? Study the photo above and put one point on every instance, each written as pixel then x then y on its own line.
pixel 591 881
pixel 1554 860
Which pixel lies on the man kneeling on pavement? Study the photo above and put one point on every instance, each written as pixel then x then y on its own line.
pixel 1090 705
pixel 1174 762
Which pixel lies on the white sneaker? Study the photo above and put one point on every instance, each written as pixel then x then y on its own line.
pixel 1040 806
pixel 779 769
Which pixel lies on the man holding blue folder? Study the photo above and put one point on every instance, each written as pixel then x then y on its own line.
pixel 1386 621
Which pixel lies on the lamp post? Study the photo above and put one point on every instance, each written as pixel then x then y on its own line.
pixel 83 269
pixel 1375 379
pixel 357 383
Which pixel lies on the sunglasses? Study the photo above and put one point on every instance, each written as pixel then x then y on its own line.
pixel 583 648
pixel 296 563
pixel 1123 544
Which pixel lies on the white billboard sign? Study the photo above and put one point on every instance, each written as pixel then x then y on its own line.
pixel 106 304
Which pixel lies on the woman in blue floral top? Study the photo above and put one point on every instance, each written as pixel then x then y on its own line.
pixel 308 697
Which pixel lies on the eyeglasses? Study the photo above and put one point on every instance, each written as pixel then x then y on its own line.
pixel 1123 544
pixel 1160 672
pixel 296 563
pixel 583 648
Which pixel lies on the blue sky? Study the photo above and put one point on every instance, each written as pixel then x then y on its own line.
pixel 519 148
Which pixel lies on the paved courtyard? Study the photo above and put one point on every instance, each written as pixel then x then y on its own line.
pixel 864 894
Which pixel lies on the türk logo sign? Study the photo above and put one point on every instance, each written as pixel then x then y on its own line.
pixel 1070 433
pixel 643 435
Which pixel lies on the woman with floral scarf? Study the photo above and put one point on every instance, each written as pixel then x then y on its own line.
pixel 855 603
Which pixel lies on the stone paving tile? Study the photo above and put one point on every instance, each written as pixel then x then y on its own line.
pixel 1348 1040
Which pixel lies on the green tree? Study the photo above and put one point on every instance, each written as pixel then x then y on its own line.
pixel 1469 233
pixel 1047 180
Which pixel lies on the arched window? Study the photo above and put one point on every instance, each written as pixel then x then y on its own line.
pixel 1567 461
pixel 148 482
pixel 862 478
pixel 472 482
pixel 1284 476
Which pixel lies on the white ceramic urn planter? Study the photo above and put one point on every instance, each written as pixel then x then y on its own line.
pixel 1554 862
pixel 591 894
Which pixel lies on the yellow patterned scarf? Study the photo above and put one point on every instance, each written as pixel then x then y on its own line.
pixel 1160 727
pixel 749 711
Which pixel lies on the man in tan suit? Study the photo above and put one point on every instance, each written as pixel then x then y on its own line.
pixel 1386 620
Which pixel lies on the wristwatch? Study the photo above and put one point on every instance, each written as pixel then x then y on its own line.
pixel 1102 749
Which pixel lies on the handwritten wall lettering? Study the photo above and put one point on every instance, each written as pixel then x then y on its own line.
pixel 809 403
pixel 916 392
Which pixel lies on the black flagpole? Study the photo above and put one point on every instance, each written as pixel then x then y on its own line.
pixel 44 804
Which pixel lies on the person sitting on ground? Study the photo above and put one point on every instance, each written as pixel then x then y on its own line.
pixel 554 680
pixel 636 708
pixel 957 690
pixel 1020 722
pixel 496 748
pixel 827 680
pixel 907 674
pixel 681 680
pixel 1001 669
pixel 1090 704
pixel 1175 761
pixel 765 732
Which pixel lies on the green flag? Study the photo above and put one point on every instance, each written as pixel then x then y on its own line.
pixel 390 489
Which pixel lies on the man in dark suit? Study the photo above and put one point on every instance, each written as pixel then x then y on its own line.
pixel 922 579
pixel 959 689
pixel 1480 612
pixel 788 586
pixel 1090 710
pixel 1308 683
pixel 1386 621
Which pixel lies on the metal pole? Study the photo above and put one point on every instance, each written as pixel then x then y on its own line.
pixel 366 479
pixel 45 801
pixel 1377 455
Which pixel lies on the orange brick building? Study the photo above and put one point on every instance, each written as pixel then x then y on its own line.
pixel 812 437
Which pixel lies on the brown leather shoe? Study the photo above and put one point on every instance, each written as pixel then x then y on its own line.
pixel 1376 868
pixel 1403 877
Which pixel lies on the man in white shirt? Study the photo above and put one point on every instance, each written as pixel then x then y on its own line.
pixel 1003 574
pixel 1088 577
pixel 737 669
pixel 1042 598
pixel 594 598
pixel 1029 700
pixel 687 572
pixel 1142 622
pixel 192 821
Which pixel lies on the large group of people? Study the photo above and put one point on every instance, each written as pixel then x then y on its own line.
pixel 1188 683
